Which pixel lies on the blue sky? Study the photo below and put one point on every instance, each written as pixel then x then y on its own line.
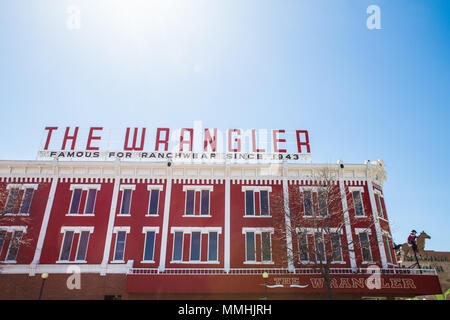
pixel 362 94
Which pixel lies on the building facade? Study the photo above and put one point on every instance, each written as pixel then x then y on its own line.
pixel 139 230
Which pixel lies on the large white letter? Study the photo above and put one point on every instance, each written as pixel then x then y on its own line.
pixel 373 21
pixel 74 19
pixel 74 280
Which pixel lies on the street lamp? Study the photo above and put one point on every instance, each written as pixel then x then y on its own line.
pixel 44 277
pixel 265 276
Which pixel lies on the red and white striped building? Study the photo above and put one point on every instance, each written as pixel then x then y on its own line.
pixel 149 230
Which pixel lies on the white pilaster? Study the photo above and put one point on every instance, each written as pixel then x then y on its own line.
pixel 111 220
pixel 165 227
pixel 287 221
pixel 44 225
pixel 227 226
pixel 348 229
pixel 377 224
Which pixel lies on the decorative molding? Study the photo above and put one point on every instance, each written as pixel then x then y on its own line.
pixel 203 230
pixel 203 173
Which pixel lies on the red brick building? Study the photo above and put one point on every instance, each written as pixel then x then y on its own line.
pixel 139 230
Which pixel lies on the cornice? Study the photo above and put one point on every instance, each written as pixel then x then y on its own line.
pixel 136 171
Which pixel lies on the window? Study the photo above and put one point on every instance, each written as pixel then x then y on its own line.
pixel 149 245
pixel 15 192
pixel 320 247
pixel 126 201
pixel 196 235
pixel 380 207
pixel 149 249
pixel 66 246
pixel 266 252
pixel 90 194
pixel 358 204
pixel 388 248
pixel 120 245
pixel 195 246
pixel 204 206
pixel 2 239
pixel 190 194
pixel 212 246
pixel 264 199
pixel 365 246
pixel 154 199
pixel 250 246
pixel 336 247
pixel 76 198
pixel 178 246
pixel 249 203
pixel 11 202
pixel 90 201
pixel 197 200
pixel 257 197
pixel 26 201
pixel 265 255
pixel 82 246
pixel 308 203
pixel 303 246
pixel 14 246
pixel 323 203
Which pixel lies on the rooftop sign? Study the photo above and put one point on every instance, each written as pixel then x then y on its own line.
pixel 197 143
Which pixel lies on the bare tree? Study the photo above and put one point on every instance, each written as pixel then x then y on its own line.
pixel 11 204
pixel 318 216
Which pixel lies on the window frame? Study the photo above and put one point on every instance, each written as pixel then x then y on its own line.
pixel 12 243
pixel 311 191
pixel 319 208
pixel 186 214
pixel 23 200
pixel 247 247
pixel 190 230
pixel 159 189
pixel 305 233
pixel 385 235
pixel 217 247
pixel 257 231
pixel 8 199
pixel 3 239
pixel 367 233
pixel 145 231
pixel 254 190
pixel 338 236
pixel 181 248
pixel 83 187
pixel 379 205
pixel 116 231
pixel 323 253
pixel 360 191
pixel 70 246
pixel 78 246
pixel 261 204
pixel 363 213
pixel 199 246
pixel 131 188
pixel 262 247
pixel 195 189
pixel 75 230
pixel 93 205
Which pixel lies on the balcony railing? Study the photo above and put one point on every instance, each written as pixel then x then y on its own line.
pixel 279 271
